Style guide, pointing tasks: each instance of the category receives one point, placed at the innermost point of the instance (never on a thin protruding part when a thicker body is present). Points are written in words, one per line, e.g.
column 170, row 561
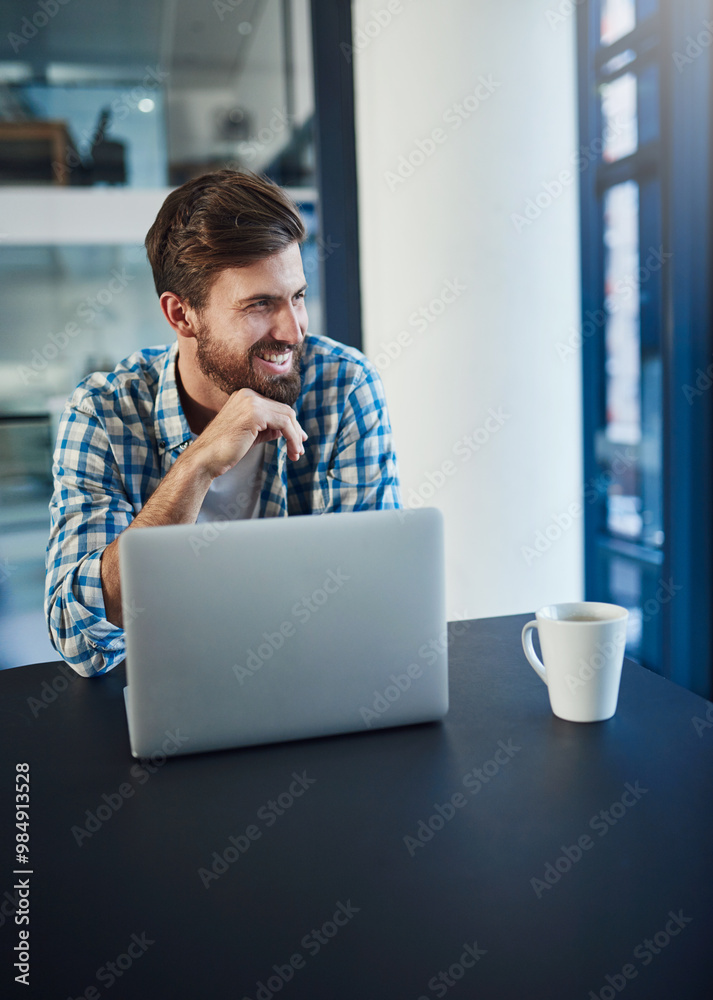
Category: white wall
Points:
column 493, row 349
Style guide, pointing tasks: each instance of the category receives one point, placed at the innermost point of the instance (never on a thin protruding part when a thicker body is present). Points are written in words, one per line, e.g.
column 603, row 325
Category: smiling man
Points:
column 244, row 415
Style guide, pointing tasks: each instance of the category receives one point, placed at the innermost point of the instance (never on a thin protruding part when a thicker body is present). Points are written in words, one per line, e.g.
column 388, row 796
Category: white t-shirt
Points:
column 236, row 494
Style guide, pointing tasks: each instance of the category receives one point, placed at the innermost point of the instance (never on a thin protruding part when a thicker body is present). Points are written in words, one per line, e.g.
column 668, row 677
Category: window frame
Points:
column 335, row 148
column 682, row 161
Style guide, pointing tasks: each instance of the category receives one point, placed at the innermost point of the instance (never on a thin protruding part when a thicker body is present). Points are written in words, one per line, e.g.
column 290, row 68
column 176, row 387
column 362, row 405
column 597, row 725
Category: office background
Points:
column 532, row 286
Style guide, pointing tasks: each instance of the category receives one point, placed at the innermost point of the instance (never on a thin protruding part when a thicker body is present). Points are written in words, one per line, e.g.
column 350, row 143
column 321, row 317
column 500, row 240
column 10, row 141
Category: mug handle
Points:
column 533, row 659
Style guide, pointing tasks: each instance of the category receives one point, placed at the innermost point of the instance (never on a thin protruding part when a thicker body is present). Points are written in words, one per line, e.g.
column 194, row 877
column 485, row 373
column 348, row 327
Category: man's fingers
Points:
column 264, row 419
column 291, row 430
column 292, row 433
column 270, row 434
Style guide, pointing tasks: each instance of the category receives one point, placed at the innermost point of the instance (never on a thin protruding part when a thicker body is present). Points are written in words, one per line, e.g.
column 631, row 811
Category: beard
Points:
column 231, row 373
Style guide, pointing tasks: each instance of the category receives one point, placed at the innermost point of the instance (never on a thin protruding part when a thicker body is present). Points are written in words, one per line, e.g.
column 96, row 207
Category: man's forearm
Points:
column 177, row 500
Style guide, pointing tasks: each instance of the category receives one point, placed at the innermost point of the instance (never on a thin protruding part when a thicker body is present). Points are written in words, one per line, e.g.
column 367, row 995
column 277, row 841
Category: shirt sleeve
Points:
column 363, row 473
column 88, row 510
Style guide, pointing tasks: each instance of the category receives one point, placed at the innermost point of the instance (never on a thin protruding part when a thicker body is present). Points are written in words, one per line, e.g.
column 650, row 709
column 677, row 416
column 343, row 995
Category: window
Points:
column 646, row 230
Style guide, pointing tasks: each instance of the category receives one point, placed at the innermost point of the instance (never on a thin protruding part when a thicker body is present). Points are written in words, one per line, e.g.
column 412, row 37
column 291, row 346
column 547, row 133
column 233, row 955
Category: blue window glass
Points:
column 618, row 446
column 618, row 18
column 620, row 129
column 639, row 586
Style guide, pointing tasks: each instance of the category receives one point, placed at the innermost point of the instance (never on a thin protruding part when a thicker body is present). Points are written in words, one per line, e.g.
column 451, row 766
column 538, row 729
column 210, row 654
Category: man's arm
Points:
column 177, row 500
column 246, row 419
column 90, row 510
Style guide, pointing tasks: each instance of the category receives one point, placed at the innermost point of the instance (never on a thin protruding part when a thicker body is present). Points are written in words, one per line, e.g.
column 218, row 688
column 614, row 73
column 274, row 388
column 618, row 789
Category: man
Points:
column 245, row 415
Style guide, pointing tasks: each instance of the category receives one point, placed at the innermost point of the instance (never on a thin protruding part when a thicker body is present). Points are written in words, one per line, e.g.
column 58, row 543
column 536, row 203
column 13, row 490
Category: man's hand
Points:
column 246, row 419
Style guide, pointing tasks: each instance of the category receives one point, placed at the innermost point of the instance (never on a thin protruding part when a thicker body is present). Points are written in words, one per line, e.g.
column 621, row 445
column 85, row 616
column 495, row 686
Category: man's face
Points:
column 252, row 328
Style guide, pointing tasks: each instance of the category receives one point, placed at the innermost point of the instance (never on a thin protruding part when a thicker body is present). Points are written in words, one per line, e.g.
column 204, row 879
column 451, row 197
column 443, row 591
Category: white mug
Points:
column 583, row 651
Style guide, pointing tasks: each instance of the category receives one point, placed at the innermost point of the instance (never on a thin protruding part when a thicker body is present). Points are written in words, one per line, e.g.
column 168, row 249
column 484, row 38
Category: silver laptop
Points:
column 245, row 632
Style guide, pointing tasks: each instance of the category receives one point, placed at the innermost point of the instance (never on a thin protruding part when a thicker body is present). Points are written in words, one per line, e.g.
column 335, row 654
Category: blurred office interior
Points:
column 509, row 211
column 103, row 108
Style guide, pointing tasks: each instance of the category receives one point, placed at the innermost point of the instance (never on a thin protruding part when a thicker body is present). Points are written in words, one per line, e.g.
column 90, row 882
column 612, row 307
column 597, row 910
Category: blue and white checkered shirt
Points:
column 119, row 435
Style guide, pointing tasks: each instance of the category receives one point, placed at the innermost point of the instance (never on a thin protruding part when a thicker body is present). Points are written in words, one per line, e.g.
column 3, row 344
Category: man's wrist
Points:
column 192, row 468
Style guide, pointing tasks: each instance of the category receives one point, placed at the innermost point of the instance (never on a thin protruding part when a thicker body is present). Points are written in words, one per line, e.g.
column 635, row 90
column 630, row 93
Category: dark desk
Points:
column 193, row 886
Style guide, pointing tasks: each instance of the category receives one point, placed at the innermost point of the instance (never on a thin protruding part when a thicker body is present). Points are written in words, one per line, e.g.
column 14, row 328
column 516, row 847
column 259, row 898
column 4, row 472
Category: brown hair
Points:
column 217, row 221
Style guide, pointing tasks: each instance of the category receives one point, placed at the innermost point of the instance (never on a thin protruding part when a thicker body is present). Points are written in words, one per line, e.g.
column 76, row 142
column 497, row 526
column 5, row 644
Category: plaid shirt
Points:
column 119, row 435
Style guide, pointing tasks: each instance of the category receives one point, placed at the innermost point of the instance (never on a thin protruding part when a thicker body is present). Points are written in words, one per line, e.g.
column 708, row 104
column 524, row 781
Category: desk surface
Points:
column 546, row 859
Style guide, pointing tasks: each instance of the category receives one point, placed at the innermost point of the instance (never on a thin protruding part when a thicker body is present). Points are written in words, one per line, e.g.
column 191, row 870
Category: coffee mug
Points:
column 583, row 651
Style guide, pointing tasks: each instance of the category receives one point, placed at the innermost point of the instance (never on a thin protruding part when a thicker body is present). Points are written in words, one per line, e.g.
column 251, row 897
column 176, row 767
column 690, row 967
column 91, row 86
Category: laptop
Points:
column 258, row 631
